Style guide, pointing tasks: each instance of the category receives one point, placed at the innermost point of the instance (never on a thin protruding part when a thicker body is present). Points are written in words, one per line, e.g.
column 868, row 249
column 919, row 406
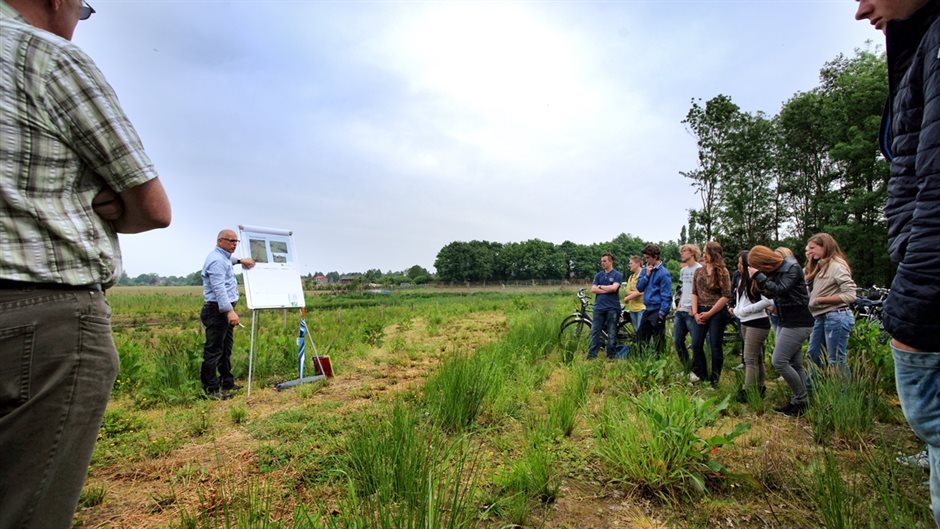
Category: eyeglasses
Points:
column 86, row 11
column 233, row 241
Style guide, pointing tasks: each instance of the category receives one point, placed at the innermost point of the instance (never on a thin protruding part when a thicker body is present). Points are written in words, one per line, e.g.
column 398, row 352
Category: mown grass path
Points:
column 152, row 491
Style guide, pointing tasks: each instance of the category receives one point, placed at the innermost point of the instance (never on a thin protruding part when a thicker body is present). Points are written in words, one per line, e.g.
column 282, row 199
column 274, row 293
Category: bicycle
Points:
column 575, row 332
column 869, row 306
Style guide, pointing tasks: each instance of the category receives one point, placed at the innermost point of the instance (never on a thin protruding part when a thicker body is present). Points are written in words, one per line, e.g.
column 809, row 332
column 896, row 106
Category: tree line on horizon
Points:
column 478, row 261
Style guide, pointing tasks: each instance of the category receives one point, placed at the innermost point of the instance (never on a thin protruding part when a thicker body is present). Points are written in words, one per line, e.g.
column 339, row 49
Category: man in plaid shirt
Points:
column 73, row 174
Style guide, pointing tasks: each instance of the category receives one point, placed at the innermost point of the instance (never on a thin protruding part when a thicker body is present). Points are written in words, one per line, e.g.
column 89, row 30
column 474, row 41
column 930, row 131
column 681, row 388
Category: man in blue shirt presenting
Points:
column 656, row 285
column 606, row 287
column 218, row 315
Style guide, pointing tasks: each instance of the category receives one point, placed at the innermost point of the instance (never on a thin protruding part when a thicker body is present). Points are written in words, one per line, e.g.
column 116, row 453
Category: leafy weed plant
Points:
column 654, row 442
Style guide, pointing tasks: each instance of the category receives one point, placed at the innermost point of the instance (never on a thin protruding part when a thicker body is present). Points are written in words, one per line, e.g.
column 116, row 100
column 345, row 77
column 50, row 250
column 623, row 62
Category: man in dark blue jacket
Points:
column 656, row 285
column 910, row 139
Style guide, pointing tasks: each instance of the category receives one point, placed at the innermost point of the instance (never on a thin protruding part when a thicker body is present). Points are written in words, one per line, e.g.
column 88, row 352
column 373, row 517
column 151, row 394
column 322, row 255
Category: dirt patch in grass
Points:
column 152, row 492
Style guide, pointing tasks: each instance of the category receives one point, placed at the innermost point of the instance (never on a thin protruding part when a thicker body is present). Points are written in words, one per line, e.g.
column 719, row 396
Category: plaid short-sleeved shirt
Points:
column 63, row 136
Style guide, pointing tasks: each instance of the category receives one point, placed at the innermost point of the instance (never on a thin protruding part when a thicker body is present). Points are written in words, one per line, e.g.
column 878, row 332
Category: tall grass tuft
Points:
column 393, row 459
column 534, row 477
column 455, row 394
column 836, row 500
column 843, row 406
column 562, row 410
column 532, row 334
column 894, row 496
column 653, row 442
column 445, row 499
column 173, row 378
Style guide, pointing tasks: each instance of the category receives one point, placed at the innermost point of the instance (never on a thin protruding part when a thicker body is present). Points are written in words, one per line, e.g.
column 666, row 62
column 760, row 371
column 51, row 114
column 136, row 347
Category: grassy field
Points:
column 454, row 409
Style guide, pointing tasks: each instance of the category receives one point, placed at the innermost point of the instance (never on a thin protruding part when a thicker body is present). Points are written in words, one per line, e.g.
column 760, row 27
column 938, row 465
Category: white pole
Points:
column 251, row 353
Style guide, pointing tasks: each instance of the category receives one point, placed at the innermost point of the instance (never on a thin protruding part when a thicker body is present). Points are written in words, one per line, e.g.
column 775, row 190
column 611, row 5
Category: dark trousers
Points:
column 57, row 365
column 652, row 330
column 217, row 353
column 714, row 331
column 682, row 326
column 604, row 320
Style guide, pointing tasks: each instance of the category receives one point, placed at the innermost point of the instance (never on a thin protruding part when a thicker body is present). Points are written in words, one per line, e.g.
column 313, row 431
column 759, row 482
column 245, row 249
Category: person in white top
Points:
column 689, row 255
column 751, row 310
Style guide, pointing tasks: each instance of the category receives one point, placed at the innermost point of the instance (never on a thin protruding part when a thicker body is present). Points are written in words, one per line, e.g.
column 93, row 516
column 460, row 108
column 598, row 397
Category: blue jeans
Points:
column 917, row 376
column 636, row 317
column 833, row 329
column 682, row 327
column 604, row 319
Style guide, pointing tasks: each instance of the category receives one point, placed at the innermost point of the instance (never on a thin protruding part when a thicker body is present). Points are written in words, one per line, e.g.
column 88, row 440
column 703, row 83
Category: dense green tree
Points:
column 416, row 271
column 713, row 126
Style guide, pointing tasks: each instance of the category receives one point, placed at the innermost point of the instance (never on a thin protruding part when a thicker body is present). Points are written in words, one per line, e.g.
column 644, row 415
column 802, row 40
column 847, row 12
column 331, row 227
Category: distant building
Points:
column 320, row 279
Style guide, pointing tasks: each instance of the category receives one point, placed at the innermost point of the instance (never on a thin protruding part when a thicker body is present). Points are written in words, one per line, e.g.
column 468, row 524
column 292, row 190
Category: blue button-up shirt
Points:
column 656, row 289
column 218, row 280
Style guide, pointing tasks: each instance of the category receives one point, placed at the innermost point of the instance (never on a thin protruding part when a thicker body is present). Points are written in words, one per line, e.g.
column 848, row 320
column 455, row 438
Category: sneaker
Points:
column 785, row 409
column 218, row 395
column 741, row 396
column 794, row 410
column 917, row 460
column 693, row 378
column 234, row 387
column 739, row 367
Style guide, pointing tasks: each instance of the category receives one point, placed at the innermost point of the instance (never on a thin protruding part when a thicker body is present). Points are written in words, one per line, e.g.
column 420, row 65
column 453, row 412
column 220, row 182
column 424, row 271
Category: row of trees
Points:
column 415, row 274
column 813, row 167
column 537, row 259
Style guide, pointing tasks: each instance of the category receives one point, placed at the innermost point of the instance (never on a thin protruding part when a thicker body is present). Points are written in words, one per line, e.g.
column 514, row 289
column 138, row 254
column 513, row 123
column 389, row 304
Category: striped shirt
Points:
column 63, row 137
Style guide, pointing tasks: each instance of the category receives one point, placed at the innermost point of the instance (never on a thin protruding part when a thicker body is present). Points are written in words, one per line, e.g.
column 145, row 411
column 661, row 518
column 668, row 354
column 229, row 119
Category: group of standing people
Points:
column 648, row 301
column 810, row 302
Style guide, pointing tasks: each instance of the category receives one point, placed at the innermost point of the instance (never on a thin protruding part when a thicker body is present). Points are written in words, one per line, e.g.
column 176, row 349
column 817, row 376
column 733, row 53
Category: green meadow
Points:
column 455, row 408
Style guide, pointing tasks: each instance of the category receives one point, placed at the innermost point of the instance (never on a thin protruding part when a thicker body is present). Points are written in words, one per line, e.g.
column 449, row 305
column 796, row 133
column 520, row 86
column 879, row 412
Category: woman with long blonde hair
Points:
column 711, row 288
column 830, row 298
column 781, row 278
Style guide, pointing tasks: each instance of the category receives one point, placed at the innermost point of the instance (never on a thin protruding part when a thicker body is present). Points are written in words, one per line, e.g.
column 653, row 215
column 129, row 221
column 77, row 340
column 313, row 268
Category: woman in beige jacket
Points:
column 831, row 295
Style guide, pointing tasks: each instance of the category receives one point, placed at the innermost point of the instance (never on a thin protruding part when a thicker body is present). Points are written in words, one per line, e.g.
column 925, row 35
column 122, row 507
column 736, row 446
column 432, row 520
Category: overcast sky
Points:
column 380, row 131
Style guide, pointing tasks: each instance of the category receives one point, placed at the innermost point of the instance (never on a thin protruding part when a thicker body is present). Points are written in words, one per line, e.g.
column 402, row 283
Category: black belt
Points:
column 9, row 284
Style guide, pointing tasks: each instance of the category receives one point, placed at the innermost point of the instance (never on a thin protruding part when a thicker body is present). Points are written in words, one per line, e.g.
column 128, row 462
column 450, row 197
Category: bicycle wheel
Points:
column 574, row 337
column 570, row 318
column 626, row 334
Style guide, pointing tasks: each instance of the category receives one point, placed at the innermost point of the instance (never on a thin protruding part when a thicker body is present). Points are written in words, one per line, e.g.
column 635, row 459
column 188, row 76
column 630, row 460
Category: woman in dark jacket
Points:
column 782, row 279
